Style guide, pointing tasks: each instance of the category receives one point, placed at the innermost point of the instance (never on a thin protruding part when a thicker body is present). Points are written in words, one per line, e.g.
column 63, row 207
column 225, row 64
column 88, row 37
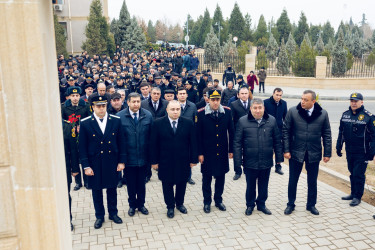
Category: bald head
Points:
column 101, row 89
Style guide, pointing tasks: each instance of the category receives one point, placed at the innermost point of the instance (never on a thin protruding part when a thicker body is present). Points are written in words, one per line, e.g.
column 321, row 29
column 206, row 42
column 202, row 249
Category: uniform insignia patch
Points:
column 74, row 91
column 373, row 123
column 354, row 95
column 100, row 98
column 196, row 119
column 361, row 117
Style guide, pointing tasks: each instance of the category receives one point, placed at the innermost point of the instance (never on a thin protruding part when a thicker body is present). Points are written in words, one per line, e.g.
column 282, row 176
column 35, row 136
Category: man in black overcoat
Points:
column 173, row 152
column 215, row 146
column 102, row 151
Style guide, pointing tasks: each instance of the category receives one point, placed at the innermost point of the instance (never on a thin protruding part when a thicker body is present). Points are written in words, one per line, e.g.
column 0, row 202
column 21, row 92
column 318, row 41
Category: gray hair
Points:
column 256, row 101
column 157, row 89
column 133, row 95
column 308, row 91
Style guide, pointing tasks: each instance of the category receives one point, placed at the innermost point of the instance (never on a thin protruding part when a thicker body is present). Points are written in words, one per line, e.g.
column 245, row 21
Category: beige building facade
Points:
column 73, row 14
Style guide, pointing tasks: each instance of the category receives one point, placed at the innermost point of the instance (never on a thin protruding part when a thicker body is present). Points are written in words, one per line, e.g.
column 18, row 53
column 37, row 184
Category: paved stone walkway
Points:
column 338, row 226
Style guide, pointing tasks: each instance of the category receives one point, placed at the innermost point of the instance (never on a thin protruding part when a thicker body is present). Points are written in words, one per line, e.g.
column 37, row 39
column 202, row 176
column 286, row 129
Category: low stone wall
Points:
column 314, row 83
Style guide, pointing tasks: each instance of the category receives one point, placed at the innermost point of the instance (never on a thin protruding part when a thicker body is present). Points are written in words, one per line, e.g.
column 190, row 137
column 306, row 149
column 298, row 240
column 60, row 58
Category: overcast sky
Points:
column 317, row 11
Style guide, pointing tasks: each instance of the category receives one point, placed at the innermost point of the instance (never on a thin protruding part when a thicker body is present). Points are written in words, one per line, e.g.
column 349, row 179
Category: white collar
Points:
column 103, row 124
column 132, row 113
column 171, row 120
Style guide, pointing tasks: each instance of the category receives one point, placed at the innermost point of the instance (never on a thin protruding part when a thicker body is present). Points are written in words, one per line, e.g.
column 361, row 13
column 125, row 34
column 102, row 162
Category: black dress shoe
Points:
column 98, row 223
column 373, row 216
column 131, row 211
column 182, row 209
column 77, row 187
column 116, row 219
column 236, row 177
column 221, row 206
column 170, row 213
column 249, row 210
column 347, row 198
column 191, row 181
column 265, row 210
column 288, row 210
column 143, row 210
column 279, row 171
column 355, row 202
column 147, row 179
column 207, row 209
column 87, row 186
column 119, row 184
column 71, row 226
column 313, row 210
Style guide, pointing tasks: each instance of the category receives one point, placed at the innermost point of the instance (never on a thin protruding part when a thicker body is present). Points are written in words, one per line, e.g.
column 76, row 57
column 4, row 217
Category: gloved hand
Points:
column 338, row 152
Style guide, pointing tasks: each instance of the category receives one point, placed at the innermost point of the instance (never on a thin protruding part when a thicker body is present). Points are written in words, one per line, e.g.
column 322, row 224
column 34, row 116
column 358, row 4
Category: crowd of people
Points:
column 133, row 112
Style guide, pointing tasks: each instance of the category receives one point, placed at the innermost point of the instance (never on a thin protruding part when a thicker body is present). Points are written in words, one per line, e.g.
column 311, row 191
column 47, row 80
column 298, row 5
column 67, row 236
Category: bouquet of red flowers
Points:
column 74, row 120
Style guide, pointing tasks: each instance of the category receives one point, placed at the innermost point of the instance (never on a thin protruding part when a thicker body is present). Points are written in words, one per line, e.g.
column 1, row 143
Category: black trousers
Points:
column 70, row 202
column 252, row 176
column 206, row 188
column 122, row 176
column 295, row 169
column 136, row 186
column 357, row 166
column 97, row 196
column 148, row 171
column 237, row 169
column 170, row 199
column 260, row 86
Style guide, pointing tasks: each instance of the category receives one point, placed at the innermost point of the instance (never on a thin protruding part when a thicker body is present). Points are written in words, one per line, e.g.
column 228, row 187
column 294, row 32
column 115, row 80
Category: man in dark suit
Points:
column 240, row 108
column 189, row 111
column 174, row 152
column 278, row 108
column 102, row 151
column 157, row 107
column 136, row 123
column 215, row 144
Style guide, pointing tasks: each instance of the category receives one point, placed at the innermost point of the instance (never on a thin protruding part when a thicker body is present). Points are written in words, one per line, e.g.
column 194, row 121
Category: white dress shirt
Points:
column 103, row 124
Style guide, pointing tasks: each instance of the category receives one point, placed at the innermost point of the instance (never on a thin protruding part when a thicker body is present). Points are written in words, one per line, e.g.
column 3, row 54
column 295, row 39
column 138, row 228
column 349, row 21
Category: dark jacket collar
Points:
column 358, row 110
column 315, row 114
column 81, row 102
column 141, row 112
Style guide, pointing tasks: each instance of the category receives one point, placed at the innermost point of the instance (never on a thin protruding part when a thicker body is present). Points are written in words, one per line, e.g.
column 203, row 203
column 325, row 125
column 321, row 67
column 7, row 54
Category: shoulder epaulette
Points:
column 201, row 109
column 66, row 121
column 226, row 107
column 86, row 118
column 115, row 116
column 368, row 112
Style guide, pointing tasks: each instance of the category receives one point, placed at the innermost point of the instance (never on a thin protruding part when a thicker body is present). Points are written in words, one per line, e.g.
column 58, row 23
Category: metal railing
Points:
column 358, row 68
column 219, row 64
column 304, row 67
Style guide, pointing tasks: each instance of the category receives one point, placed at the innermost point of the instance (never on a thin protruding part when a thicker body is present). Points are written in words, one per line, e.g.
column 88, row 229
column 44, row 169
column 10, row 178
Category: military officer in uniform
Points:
column 74, row 110
column 357, row 131
column 102, row 151
column 229, row 75
column 215, row 144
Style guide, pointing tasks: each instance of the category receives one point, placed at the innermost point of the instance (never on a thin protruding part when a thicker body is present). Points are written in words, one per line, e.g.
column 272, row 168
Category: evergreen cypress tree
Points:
column 339, row 55
column 261, row 60
column 204, row 28
column 151, row 32
column 272, row 48
column 291, row 47
column 261, row 33
column 330, row 46
column 373, row 37
column 212, row 50
column 302, row 29
column 134, row 39
column 236, row 23
column 282, row 64
column 95, row 43
column 304, row 61
column 195, row 31
column 123, row 24
column 229, row 48
column 319, row 45
column 60, row 38
column 328, row 32
column 307, row 39
column 314, row 33
column 356, row 48
column 283, row 25
column 216, row 20
column 113, row 28
column 247, row 33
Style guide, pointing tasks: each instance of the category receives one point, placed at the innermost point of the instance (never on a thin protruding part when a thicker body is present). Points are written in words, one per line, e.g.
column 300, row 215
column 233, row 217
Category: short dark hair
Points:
column 277, row 90
column 109, row 87
column 133, row 95
column 308, row 91
column 243, row 87
column 256, row 101
column 181, row 89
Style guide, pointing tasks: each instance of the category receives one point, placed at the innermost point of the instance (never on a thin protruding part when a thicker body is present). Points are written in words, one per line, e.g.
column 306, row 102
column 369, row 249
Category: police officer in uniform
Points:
column 215, row 144
column 74, row 110
column 357, row 131
column 229, row 75
column 102, row 150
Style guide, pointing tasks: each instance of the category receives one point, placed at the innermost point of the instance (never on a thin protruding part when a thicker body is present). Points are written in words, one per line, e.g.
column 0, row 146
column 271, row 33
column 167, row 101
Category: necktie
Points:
column 174, row 126
column 245, row 105
column 135, row 118
column 308, row 112
column 101, row 120
column 155, row 105
column 216, row 114
column 182, row 106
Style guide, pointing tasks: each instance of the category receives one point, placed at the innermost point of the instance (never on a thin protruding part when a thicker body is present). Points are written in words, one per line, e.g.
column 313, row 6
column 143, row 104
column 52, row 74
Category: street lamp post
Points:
column 235, row 39
column 219, row 28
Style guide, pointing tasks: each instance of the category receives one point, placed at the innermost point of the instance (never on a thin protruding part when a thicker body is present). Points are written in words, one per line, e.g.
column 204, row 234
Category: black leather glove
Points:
column 338, row 152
